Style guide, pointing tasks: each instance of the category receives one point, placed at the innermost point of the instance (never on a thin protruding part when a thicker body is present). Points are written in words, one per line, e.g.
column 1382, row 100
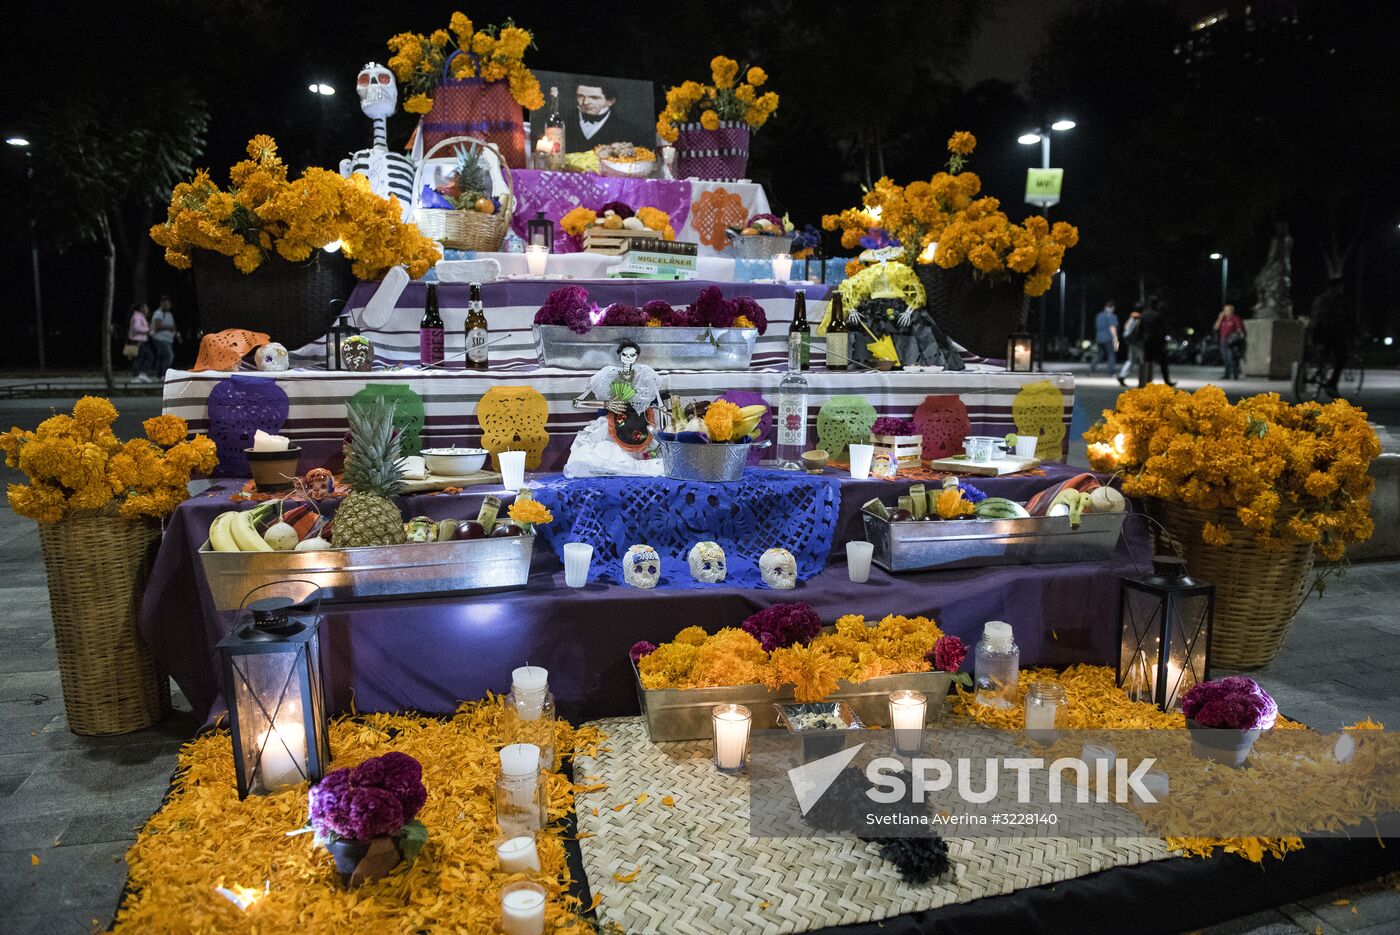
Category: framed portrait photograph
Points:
column 598, row 110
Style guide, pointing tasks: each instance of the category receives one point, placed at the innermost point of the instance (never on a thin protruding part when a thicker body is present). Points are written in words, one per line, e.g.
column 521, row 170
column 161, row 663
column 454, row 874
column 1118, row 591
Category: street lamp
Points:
column 322, row 89
column 19, row 141
column 1030, row 138
column 22, row 142
column 1224, row 276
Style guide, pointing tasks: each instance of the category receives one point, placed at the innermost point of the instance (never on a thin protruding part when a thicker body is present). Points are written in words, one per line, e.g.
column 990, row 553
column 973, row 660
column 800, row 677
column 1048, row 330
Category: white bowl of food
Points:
column 453, row 462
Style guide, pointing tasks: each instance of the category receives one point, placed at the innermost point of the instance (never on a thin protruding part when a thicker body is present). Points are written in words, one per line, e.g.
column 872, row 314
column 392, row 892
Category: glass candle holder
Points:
column 782, row 267
column 536, row 259
column 516, row 853
column 1044, row 700
column 908, row 710
column 520, row 804
column 530, row 720
column 522, row 908
column 731, row 723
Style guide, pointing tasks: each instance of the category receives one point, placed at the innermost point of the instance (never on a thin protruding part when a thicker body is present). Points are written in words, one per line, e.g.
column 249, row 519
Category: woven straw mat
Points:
column 701, row 872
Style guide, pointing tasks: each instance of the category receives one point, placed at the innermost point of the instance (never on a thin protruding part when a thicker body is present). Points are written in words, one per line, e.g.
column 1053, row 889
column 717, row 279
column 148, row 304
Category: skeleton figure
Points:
column 706, row 560
column 388, row 173
column 320, row 483
column 271, row 358
column 779, row 569
column 641, row 567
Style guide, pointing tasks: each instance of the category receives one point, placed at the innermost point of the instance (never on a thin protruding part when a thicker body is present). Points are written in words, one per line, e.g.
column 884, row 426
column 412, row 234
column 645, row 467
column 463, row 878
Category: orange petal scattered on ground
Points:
column 627, row 877
column 667, row 801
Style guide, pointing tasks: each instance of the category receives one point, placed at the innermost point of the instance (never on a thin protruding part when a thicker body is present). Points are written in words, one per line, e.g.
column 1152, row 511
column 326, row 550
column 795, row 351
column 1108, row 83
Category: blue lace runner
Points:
column 768, row 509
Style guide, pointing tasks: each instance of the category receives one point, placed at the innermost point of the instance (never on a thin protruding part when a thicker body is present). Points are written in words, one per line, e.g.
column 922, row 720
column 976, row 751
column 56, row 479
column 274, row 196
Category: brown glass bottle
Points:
column 838, row 336
column 478, row 332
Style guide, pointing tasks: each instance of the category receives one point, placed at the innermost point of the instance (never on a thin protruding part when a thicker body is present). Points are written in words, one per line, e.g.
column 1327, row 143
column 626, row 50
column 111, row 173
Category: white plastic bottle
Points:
column 997, row 665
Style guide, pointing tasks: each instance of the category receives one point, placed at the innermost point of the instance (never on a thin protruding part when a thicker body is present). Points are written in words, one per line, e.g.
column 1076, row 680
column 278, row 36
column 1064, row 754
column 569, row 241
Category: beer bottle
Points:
column 838, row 338
column 799, row 332
column 430, row 337
column 478, row 332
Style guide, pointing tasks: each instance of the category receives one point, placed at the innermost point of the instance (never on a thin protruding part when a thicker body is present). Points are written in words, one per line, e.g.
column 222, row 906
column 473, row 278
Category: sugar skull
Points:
column 320, row 483
column 706, row 560
column 779, row 569
column 377, row 91
column 420, row 529
column 357, row 353
column 641, row 567
column 271, row 358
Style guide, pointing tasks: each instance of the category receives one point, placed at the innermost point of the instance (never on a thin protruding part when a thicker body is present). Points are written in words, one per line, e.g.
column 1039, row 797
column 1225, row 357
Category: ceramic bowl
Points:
column 453, row 462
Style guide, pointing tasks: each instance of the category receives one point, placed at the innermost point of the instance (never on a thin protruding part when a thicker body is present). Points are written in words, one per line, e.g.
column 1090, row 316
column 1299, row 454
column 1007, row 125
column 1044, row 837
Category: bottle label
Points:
column 430, row 346
column 476, row 345
column 836, row 350
column 792, row 420
column 555, row 135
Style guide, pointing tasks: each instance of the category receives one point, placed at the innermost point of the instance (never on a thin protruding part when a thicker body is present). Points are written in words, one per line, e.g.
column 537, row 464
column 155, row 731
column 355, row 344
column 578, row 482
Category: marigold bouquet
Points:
column 78, row 467
column 617, row 215
column 728, row 98
column 491, row 53
column 263, row 212
column 1288, row 473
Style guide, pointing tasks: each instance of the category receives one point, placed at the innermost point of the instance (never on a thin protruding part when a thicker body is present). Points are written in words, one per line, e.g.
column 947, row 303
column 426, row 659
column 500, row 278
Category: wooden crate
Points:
column 907, row 450
column 613, row 242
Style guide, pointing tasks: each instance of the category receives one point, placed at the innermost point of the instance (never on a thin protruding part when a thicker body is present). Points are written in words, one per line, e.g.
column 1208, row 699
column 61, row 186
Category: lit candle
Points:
column 907, row 712
column 528, row 684
column 262, row 441
column 731, row 727
column 782, row 267
column 1043, row 701
column 517, row 853
column 537, row 258
column 522, row 909
column 283, row 751
column 519, row 760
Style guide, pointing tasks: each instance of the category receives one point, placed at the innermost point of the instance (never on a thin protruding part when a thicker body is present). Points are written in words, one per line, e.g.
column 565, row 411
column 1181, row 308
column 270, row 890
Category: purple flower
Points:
column 1233, row 703
column 659, row 310
column 948, row 653
column 747, row 307
column 563, row 306
column 619, row 208
column 783, row 625
column 888, row 425
column 623, row 315
column 403, row 776
column 776, row 221
column 373, row 812
column 710, row 308
column 641, row 648
column 376, row 798
column 971, row 494
column 878, row 239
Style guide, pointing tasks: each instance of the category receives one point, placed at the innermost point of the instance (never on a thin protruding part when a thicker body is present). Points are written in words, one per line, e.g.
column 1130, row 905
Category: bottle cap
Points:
column 998, row 633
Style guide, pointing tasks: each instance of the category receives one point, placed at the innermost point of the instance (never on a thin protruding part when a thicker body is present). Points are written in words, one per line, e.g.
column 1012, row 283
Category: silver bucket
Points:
column 758, row 246
column 720, row 463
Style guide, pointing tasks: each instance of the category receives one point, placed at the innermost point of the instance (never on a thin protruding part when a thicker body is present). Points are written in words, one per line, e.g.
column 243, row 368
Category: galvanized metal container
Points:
column 972, row 543
column 376, row 572
column 758, row 246
column 717, row 463
column 684, row 713
column 661, row 348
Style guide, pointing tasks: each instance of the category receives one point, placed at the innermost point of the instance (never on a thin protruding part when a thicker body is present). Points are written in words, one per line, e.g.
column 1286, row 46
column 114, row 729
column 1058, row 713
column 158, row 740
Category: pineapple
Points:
column 468, row 179
column 369, row 516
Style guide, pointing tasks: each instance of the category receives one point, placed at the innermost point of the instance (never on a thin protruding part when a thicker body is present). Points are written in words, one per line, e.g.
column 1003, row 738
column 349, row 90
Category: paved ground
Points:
column 74, row 804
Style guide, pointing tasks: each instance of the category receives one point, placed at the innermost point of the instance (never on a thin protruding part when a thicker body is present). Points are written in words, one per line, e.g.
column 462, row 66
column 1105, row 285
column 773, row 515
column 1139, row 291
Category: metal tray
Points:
column 661, row 348
column 376, row 572
column 966, row 543
column 684, row 713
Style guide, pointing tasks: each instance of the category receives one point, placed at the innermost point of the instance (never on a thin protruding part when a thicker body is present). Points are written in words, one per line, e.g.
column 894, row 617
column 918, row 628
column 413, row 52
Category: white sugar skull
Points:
column 706, row 561
column 779, row 569
column 271, row 358
column 641, row 567
column 320, row 483
column 377, row 90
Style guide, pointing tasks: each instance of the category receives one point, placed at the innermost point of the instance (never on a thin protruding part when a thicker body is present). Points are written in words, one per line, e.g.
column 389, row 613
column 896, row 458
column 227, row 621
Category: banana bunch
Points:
column 236, row 530
column 750, row 417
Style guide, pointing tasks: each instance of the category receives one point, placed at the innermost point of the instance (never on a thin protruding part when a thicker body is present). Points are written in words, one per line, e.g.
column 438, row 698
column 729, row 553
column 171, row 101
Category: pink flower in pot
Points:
column 1226, row 717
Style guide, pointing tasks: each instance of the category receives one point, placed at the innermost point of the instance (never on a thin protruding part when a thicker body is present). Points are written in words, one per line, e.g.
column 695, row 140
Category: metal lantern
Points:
column 539, row 231
column 335, row 341
column 1019, row 352
column 272, row 684
column 1164, row 624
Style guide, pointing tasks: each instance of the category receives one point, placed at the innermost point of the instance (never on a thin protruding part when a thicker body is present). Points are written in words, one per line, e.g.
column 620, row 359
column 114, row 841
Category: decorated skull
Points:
column 779, row 569
column 271, row 358
column 357, row 353
column 320, row 483
column 377, row 90
column 706, row 560
column 641, row 567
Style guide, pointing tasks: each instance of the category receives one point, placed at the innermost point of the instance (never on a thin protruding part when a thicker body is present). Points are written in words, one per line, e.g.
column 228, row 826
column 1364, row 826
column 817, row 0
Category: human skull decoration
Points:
column 357, row 353
column 320, row 483
column 377, row 90
column 706, row 560
column 641, row 567
column 271, row 358
column 779, row 569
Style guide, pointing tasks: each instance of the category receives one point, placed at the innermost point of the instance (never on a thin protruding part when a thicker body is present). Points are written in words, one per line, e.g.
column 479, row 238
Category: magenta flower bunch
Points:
column 889, row 425
column 622, row 315
column 1233, row 703
column 948, row 653
column 570, row 306
column 375, row 799
column 783, row 625
column 641, row 648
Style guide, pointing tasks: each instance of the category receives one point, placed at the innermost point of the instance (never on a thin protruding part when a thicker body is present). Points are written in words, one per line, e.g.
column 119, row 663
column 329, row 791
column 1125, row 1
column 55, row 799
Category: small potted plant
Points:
column 1226, row 716
column 365, row 816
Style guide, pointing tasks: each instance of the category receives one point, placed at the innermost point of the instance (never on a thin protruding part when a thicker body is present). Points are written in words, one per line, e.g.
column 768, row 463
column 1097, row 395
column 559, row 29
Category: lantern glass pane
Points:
column 1140, row 643
column 271, row 725
column 1186, row 655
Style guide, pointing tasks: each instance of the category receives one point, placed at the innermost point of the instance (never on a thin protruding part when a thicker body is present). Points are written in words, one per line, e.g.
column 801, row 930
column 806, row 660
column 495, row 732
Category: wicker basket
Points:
column 464, row 230
column 1257, row 593
column 97, row 568
column 289, row 302
column 979, row 314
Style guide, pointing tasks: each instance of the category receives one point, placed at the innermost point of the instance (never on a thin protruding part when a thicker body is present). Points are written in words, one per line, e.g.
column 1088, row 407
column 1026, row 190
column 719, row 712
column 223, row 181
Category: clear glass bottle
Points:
column 554, row 133
column 792, row 410
column 997, row 665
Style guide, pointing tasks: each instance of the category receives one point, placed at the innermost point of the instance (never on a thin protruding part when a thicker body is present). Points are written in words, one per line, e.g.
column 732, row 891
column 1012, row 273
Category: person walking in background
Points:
column 1106, row 337
column 163, row 337
column 1132, row 336
column 138, row 333
column 1154, row 343
column 1229, row 328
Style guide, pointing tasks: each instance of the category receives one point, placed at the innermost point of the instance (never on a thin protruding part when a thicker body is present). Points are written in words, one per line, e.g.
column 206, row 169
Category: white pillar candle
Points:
column 537, row 259
column 908, row 711
column 520, row 759
column 860, row 460
column 522, row 909
column 517, row 853
column 782, row 267
column 262, row 441
column 858, row 556
column 529, row 684
column 283, row 751
column 731, row 727
column 512, row 469
column 577, row 557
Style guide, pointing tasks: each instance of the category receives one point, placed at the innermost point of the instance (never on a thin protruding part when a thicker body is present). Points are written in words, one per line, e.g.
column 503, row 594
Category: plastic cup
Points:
column 1026, row 445
column 577, row 557
column 858, row 555
column 860, row 460
column 512, row 469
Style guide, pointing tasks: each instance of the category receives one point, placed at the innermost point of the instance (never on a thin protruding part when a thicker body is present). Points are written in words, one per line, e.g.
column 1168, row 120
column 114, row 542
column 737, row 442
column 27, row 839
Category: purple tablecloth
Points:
column 427, row 654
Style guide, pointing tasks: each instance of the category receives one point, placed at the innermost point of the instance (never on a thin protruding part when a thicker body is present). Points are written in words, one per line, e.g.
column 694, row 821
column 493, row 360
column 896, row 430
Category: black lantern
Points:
column 272, row 684
column 1164, row 623
column 335, row 342
column 539, row 232
column 1019, row 352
